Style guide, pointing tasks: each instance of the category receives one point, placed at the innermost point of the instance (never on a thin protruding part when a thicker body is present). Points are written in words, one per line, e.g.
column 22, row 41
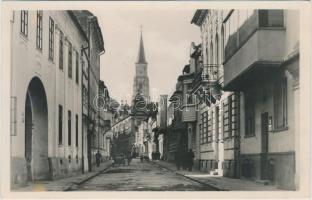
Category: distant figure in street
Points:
column 184, row 159
column 177, row 158
column 190, row 159
column 129, row 158
column 98, row 159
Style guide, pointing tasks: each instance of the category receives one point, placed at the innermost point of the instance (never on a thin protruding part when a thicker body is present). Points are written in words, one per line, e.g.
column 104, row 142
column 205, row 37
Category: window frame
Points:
column 70, row 60
column 76, row 129
column 51, row 39
column 69, row 141
column 280, row 98
column 60, row 125
column 24, row 23
column 250, row 115
column 61, row 51
column 39, row 28
column 77, row 67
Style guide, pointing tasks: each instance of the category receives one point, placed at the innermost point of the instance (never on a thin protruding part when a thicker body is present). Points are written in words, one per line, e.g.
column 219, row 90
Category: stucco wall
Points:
column 29, row 62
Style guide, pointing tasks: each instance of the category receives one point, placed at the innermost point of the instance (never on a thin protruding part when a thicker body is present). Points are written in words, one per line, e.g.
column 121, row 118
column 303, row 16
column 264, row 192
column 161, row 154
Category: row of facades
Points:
column 56, row 127
column 236, row 103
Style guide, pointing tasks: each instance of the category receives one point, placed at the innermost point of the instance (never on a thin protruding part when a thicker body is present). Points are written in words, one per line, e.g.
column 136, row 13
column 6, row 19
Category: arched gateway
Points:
column 36, row 131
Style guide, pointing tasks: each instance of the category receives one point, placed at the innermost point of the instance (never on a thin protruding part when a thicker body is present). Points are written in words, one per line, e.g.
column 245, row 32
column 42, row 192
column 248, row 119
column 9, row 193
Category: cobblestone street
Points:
column 140, row 176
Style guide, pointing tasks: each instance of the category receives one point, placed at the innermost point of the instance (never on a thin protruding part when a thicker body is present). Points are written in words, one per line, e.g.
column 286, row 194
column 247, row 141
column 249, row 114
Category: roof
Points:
column 141, row 54
column 82, row 18
column 199, row 16
column 77, row 24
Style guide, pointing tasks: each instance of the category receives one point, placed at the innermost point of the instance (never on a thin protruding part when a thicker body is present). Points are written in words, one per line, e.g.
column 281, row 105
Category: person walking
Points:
column 190, row 156
column 98, row 159
column 184, row 159
column 177, row 159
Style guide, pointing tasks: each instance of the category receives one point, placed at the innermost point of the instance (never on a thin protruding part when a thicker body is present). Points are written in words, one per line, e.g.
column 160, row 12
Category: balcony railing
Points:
column 212, row 73
column 208, row 75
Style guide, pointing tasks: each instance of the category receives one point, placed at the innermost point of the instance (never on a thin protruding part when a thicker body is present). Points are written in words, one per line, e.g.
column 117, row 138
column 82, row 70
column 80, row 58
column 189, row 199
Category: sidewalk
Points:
column 65, row 183
column 220, row 182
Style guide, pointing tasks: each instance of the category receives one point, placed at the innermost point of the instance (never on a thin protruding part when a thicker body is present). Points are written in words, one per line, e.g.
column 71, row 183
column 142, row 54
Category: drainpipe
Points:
column 88, row 132
column 82, row 126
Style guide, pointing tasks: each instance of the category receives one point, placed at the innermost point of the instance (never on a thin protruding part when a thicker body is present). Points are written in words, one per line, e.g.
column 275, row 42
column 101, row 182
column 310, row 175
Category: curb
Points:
column 87, row 178
column 192, row 179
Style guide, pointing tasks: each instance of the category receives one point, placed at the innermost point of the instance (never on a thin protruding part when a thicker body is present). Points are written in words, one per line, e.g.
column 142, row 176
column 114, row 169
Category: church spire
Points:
column 141, row 55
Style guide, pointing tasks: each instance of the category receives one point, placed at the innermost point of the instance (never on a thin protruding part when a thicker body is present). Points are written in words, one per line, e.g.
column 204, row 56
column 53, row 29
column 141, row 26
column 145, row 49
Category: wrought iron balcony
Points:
column 207, row 83
column 208, row 76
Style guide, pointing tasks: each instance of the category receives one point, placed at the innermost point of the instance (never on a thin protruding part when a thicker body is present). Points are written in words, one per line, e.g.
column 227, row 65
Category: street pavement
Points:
column 140, row 176
column 144, row 176
column 219, row 182
column 63, row 184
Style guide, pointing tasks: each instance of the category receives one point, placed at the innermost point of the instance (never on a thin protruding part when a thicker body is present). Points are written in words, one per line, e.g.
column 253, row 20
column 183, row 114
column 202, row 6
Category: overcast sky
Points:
column 167, row 36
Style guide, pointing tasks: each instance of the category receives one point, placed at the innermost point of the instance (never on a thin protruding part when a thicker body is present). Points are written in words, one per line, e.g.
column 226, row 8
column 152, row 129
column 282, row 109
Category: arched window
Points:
column 207, row 54
column 217, row 58
column 211, row 53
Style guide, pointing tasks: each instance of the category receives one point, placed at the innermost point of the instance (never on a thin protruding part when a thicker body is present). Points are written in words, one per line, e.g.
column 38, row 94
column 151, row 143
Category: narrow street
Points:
column 140, row 176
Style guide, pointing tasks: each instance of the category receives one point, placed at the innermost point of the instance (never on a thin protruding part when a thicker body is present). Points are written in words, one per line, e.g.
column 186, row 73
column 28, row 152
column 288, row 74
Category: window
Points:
column 204, row 127
column 227, row 117
column 280, row 103
column 210, row 128
column 39, row 30
column 249, row 114
column 69, row 128
column 76, row 139
column 24, row 22
column 77, row 68
column 51, row 38
column 61, row 46
column 271, row 18
column 207, row 53
column 217, row 50
column 211, row 53
column 222, row 43
column 70, row 55
column 60, row 128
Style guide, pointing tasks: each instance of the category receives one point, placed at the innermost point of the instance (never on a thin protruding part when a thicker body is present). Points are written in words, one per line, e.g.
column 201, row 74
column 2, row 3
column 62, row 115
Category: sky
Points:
column 167, row 36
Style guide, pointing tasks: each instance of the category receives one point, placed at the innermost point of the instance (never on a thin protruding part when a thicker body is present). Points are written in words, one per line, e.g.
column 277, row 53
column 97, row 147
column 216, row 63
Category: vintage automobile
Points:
column 119, row 159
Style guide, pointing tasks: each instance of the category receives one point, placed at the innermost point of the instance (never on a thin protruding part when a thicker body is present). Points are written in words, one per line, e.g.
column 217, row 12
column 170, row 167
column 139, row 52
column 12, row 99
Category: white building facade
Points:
column 46, row 104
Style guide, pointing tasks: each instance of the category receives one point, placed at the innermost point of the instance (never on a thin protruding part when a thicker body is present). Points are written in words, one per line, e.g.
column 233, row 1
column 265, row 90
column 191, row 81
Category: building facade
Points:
column 91, row 124
column 269, row 91
column 46, row 136
column 249, row 85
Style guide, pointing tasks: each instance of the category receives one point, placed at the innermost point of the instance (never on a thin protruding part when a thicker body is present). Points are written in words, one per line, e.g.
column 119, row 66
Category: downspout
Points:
column 88, row 130
column 82, row 127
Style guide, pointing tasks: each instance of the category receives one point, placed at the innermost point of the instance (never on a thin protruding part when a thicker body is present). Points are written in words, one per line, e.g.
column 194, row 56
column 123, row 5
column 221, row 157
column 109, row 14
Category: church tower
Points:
column 141, row 81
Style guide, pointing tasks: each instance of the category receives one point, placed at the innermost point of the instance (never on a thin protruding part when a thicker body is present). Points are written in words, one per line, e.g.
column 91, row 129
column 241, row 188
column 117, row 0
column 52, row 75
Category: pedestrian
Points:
column 177, row 159
column 190, row 157
column 184, row 159
column 98, row 159
column 129, row 158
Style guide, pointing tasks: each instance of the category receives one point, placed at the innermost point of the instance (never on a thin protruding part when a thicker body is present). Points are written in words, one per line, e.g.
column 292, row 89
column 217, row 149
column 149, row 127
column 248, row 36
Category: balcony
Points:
column 254, row 51
column 207, row 76
column 189, row 113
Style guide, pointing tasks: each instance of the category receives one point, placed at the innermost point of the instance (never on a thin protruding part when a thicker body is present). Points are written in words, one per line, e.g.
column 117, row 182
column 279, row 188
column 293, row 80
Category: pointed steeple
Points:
column 141, row 55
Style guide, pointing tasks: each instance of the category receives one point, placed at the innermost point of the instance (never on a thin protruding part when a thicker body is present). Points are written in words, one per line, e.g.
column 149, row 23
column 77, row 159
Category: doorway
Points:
column 264, row 145
column 36, row 132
